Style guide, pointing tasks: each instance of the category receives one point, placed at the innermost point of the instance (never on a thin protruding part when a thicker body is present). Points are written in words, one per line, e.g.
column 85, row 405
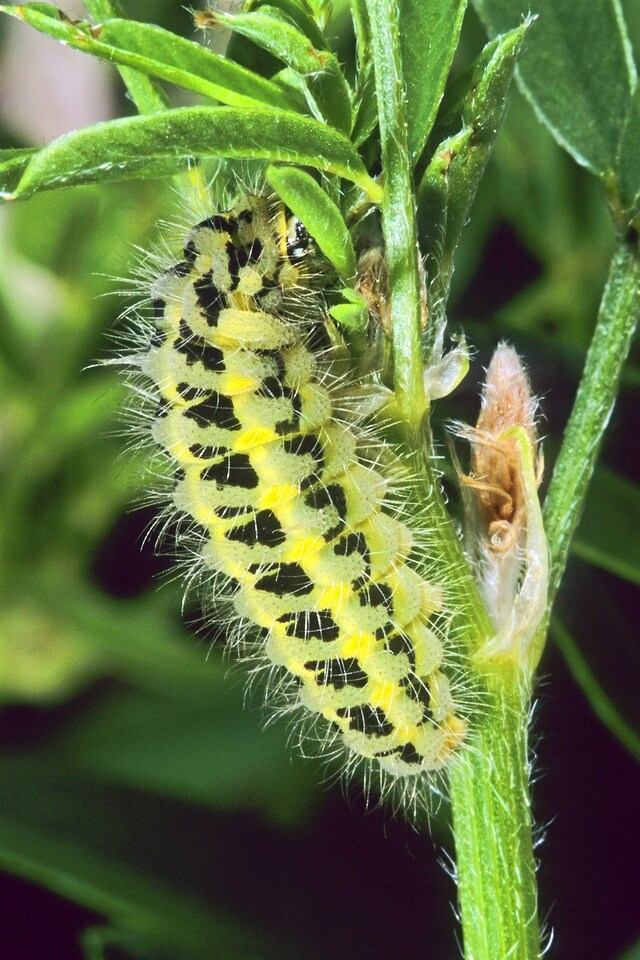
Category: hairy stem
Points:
column 593, row 406
column 489, row 781
column 489, row 785
column 470, row 622
column 398, row 211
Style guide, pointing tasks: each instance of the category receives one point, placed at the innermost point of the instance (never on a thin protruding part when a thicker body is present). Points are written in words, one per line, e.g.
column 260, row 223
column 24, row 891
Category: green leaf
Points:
column 429, row 31
column 364, row 102
column 146, row 92
column 328, row 89
column 449, row 184
column 153, row 145
column 601, row 703
column 88, row 843
column 365, row 106
column 180, row 728
column 577, row 70
column 12, row 164
column 162, row 54
column 352, row 316
column 209, row 751
column 320, row 215
column 97, row 940
column 255, row 58
column 629, row 159
column 609, row 531
column 299, row 14
column 633, row 953
column 362, row 31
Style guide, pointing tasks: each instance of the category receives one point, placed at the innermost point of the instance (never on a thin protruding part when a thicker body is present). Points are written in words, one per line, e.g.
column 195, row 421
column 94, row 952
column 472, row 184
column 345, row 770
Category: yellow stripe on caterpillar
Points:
column 285, row 497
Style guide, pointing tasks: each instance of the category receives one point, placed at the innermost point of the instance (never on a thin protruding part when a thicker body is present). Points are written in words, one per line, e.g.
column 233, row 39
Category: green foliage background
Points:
column 133, row 780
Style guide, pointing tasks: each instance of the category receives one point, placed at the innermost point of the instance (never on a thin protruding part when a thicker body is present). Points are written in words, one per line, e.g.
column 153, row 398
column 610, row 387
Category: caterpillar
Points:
column 287, row 504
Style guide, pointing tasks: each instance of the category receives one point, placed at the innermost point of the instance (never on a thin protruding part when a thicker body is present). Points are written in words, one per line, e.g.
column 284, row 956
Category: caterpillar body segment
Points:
column 288, row 506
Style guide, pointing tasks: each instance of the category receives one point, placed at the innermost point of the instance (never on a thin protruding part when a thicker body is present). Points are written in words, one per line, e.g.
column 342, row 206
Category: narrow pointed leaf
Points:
column 159, row 53
column 577, row 71
column 300, row 15
column 609, row 537
column 601, row 703
column 77, row 853
column 429, row 31
column 247, row 53
column 141, row 147
column 365, row 105
column 318, row 212
column 146, row 91
column 325, row 81
column 449, row 184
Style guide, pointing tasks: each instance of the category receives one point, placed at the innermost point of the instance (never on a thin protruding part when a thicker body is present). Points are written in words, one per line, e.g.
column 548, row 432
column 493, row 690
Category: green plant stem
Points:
column 490, row 780
column 489, row 786
column 593, row 406
column 398, row 211
column 470, row 622
column 405, row 290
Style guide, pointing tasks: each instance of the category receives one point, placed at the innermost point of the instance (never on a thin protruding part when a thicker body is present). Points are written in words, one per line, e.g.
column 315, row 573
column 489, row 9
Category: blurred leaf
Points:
column 158, row 143
column 162, row 54
column 633, row 953
column 631, row 11
column 629, row 160
column 600, row 618
column 209, row 751
column 42, row 661
column 97, row 940
column 429, row 31
column 12, row 164
column 57, row 503
column 609, row 531
column 66, row 833
column 184, row 727
column 601, row 704
column 576, row 70
column 311, row 204
column 269, row 29
column 554, row 207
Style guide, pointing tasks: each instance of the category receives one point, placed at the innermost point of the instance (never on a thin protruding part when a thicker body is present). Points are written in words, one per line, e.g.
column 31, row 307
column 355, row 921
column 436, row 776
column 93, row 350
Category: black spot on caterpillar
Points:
column 289, row 509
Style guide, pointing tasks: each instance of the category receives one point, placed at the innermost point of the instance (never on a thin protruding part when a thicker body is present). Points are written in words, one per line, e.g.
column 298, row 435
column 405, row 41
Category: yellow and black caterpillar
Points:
column 286, row 504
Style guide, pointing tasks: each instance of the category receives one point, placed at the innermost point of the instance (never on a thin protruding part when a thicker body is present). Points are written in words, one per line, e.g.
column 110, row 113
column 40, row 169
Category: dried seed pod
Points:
column 507, row 538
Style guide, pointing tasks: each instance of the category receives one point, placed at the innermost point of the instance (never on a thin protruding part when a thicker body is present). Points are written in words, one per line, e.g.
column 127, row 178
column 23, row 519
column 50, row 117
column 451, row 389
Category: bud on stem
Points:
column 505, row 530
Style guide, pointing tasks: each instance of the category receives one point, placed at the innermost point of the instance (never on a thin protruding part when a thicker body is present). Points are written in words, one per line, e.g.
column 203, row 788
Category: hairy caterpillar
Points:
column 285, row 502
